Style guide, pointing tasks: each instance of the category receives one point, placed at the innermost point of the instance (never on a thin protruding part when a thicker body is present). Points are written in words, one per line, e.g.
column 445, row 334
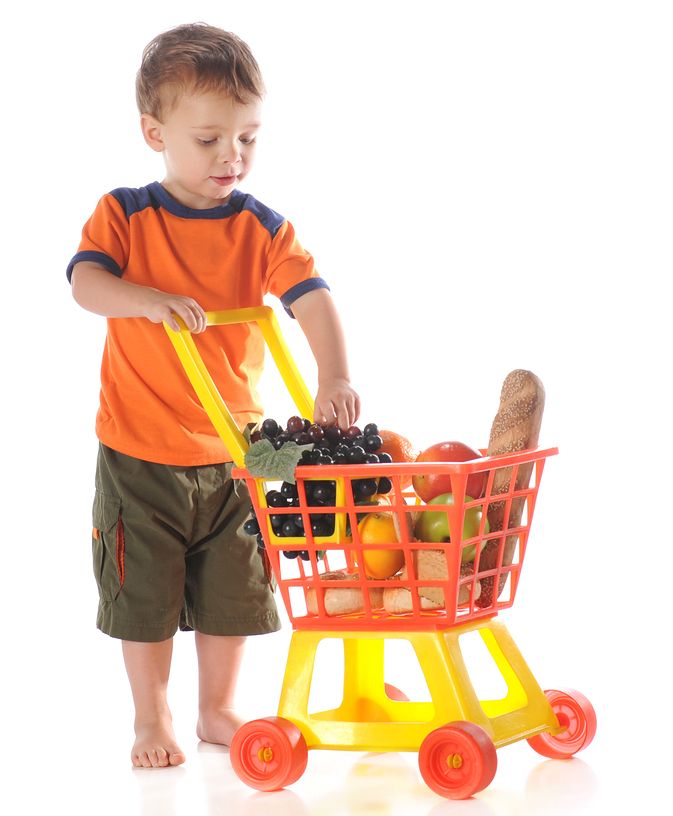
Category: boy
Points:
column 168, row 546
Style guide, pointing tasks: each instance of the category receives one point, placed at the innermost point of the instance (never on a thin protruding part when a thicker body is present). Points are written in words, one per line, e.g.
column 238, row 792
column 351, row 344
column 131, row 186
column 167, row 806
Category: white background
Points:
column 486, row 186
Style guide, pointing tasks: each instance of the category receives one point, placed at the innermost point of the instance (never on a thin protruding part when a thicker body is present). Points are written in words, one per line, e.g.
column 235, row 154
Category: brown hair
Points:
column 195, row 56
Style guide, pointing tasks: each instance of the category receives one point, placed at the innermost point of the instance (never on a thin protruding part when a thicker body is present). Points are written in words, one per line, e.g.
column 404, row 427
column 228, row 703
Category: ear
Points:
column 152, row 132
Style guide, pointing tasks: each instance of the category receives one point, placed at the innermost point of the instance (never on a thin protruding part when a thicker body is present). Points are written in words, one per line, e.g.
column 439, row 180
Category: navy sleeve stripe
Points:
column 268, row 218
column 299, row 289
column 133, row 200
column 95, row 257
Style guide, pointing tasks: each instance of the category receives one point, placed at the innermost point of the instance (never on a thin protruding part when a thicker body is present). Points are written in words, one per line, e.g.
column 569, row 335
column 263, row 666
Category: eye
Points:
column 246, row 140
column 206, row 142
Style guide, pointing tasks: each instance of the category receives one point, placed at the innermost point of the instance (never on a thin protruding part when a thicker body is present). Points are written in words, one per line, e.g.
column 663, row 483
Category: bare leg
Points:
column 219, row 663
column 148, row 666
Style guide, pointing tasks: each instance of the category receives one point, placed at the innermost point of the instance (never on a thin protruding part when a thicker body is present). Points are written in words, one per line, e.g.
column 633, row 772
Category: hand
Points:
column 336, row 401
column 162, row 306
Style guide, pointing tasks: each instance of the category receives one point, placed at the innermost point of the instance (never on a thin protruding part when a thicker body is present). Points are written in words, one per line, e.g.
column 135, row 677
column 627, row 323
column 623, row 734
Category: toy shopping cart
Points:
column 441, row 590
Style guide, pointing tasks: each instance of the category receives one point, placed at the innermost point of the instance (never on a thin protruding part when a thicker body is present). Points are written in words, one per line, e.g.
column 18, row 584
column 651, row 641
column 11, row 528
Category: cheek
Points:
column 186, row 156
column 198, row 159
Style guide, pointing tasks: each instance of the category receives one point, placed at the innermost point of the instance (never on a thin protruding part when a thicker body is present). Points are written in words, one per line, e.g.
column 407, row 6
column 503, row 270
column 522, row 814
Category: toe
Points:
column 145, row 760
column 176, row 758
column 162, row 757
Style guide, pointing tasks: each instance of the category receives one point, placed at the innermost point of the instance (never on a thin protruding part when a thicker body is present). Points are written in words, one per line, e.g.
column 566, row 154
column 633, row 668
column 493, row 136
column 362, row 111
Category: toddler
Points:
column 168, row 545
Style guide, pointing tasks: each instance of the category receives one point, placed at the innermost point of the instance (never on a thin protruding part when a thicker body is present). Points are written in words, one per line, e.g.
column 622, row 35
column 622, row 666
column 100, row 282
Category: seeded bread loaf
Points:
column 343, row 600
column 516, row 427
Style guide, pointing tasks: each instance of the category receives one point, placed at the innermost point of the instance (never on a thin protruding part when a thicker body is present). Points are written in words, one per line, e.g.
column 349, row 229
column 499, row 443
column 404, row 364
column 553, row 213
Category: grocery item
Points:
column 429, row 485
column 434, row 526
column 516, row 427
column 400, row 450
column 342, row 600
column 430, row 565
column 379, row 528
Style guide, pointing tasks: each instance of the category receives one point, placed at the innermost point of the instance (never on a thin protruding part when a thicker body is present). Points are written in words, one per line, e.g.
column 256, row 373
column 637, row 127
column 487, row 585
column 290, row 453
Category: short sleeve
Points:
column 105, row 238
column 291, row 269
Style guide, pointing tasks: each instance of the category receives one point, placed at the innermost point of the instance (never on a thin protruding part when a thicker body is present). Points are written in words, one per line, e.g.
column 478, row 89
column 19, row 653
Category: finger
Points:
column 347, row 412
column 356, row 409
column 173, row 323
column 324, row 413
column 327, row 417
column 343, row 418
column 196, row 318
column 179, row 317
column 186, row 313
column 201, row 318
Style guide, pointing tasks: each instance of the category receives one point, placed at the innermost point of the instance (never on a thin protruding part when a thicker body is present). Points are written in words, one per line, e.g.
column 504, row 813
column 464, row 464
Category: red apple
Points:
column 429, row 486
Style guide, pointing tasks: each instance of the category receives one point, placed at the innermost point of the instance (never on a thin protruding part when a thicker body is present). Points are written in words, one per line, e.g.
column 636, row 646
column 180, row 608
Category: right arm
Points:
column 100, row 291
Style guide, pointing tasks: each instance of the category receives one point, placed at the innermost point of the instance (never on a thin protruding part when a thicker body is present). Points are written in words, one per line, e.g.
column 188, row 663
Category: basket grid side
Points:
column 343, row 551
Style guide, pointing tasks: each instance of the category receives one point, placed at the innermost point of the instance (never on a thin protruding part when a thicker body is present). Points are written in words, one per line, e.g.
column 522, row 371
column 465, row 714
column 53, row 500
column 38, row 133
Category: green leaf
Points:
column 265, row 462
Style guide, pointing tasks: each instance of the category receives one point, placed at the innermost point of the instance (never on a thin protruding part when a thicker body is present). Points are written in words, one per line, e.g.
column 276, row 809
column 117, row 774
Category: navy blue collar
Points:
column 168, row 203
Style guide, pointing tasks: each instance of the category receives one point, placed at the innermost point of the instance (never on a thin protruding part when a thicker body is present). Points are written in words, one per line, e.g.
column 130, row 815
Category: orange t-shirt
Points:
column 226, row 257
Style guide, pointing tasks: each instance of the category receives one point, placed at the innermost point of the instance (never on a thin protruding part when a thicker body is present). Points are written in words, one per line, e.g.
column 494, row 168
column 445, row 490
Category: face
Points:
column 208, row 145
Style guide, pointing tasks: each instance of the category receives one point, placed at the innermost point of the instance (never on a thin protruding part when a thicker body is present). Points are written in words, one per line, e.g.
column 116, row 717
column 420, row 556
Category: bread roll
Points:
column 430, row 566
column 516, row 427
column 343, row 601
column 397, row 601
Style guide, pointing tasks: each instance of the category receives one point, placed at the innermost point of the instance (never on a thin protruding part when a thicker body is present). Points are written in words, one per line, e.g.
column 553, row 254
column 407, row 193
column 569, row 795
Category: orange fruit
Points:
column 400, row 449
column 379, row 528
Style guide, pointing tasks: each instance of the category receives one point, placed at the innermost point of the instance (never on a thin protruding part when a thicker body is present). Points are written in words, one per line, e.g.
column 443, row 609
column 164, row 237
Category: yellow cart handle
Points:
column 207, row 391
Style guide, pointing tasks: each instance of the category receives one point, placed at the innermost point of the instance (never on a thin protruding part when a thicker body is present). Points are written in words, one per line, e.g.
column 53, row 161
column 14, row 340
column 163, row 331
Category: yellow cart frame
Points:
column 455, row 733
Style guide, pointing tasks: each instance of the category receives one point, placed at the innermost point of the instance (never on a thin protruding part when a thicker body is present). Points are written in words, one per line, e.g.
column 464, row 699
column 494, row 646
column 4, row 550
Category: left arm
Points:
column 336, row 401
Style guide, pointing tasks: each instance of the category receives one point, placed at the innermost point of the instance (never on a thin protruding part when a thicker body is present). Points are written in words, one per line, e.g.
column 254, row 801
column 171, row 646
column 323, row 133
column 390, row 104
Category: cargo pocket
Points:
column 108, row 545
column 268, row 570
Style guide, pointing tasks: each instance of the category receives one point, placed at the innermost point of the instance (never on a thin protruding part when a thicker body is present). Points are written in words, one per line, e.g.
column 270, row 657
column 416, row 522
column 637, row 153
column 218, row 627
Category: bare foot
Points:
column 218, row 726
column 155, row 746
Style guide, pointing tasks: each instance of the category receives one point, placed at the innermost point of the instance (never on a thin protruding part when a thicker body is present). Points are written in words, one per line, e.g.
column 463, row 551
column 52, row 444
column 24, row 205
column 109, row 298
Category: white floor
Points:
column 346, row 783
column 67, row 736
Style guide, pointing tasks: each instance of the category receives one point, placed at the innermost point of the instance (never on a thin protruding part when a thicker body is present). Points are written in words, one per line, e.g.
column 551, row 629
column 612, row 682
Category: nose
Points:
column 229, row 152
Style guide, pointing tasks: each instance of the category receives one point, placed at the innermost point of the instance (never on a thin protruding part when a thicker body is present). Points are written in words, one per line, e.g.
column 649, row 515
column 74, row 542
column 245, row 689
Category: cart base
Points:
column 368, row 719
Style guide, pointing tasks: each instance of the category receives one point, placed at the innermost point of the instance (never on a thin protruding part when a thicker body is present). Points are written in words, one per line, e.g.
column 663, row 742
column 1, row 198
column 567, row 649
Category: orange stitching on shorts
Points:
column 120, row 551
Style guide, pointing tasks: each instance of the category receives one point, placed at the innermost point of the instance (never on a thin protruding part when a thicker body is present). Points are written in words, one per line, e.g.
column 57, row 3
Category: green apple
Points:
column 434, row 526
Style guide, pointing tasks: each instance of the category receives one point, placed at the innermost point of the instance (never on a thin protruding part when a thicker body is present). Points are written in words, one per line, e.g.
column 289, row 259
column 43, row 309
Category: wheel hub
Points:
column 454, row 761
column 265, row 754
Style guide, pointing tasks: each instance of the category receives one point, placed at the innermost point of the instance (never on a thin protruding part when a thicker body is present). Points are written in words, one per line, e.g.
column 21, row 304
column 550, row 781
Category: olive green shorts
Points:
column 169, row 551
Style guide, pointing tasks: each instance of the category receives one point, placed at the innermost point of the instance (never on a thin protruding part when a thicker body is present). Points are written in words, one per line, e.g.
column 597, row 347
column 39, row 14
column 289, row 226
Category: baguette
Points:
column 342, row 600
column 516, row 427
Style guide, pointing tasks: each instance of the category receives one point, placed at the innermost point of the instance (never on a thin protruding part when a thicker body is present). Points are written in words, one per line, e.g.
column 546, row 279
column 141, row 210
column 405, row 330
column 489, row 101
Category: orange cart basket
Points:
column 471, row 577
column 437, row 584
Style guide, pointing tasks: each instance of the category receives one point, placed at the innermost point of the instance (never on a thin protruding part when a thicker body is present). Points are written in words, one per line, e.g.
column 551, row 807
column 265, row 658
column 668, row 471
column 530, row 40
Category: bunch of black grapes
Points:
column 331, row 446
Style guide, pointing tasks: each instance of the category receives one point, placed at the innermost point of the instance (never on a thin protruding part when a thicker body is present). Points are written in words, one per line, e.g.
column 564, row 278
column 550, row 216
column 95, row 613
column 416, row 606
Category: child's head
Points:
column 195, row 57
column 199, row 91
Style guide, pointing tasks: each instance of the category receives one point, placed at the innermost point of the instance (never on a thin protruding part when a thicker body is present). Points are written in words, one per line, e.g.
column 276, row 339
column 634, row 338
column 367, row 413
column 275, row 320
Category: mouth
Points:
column 224, row 181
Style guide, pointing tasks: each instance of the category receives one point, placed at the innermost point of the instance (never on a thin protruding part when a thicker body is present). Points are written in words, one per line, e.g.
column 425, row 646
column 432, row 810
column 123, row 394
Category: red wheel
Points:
column 268, row 754
column 576, row 716
column 457, row 760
